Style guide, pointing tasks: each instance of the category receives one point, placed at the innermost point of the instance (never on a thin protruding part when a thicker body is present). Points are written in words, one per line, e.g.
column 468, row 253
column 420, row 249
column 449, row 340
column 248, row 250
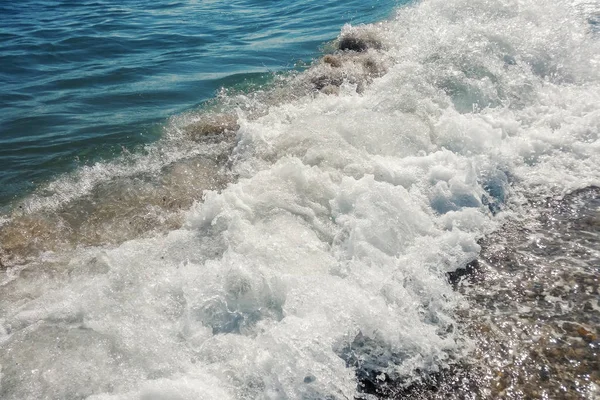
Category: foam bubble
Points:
column 322, row 265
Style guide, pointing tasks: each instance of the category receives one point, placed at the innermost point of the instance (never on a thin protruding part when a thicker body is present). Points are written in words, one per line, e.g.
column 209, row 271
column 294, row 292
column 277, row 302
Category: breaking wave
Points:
column 295, row 241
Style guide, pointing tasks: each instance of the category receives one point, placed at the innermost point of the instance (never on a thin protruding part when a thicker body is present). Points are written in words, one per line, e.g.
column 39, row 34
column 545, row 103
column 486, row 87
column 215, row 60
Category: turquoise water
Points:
column 82, row 80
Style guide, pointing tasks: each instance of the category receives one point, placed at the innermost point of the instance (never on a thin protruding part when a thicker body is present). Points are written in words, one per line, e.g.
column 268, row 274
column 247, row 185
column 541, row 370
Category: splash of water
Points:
column 353, row 188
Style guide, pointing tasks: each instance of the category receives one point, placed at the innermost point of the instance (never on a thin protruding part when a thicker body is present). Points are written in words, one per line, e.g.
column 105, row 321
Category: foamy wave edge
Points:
column 324, row 262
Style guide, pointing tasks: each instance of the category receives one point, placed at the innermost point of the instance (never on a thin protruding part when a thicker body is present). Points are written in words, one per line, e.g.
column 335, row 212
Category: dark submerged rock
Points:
column 371, row 359
column 332, row 60
column 471, row 271
column 322, row 81
column 359, row 41
column 212, row 125
column 373, row 362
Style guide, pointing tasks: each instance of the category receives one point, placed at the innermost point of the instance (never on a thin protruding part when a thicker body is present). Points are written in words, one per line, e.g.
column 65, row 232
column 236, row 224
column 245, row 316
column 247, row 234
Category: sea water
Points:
column 293, row 239
column 83, row 80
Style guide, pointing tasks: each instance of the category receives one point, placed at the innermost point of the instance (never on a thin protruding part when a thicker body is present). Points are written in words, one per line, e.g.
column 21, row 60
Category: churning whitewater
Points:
column 294, row 243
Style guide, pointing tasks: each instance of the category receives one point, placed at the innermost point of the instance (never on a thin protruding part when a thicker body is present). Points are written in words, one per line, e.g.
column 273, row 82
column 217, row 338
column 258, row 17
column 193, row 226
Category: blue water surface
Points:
column 80, row 80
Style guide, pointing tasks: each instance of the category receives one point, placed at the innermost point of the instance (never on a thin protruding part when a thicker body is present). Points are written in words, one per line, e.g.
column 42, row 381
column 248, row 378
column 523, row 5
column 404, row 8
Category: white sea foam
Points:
column 346, row 214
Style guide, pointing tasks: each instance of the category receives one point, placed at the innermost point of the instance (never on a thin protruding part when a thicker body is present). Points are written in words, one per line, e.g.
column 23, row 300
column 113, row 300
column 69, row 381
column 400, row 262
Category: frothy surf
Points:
column 294, row 242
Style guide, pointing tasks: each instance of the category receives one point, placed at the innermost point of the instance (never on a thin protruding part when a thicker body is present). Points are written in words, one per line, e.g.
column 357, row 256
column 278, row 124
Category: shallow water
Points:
column 533, row 307
column 300, row 240
column 536, row 302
